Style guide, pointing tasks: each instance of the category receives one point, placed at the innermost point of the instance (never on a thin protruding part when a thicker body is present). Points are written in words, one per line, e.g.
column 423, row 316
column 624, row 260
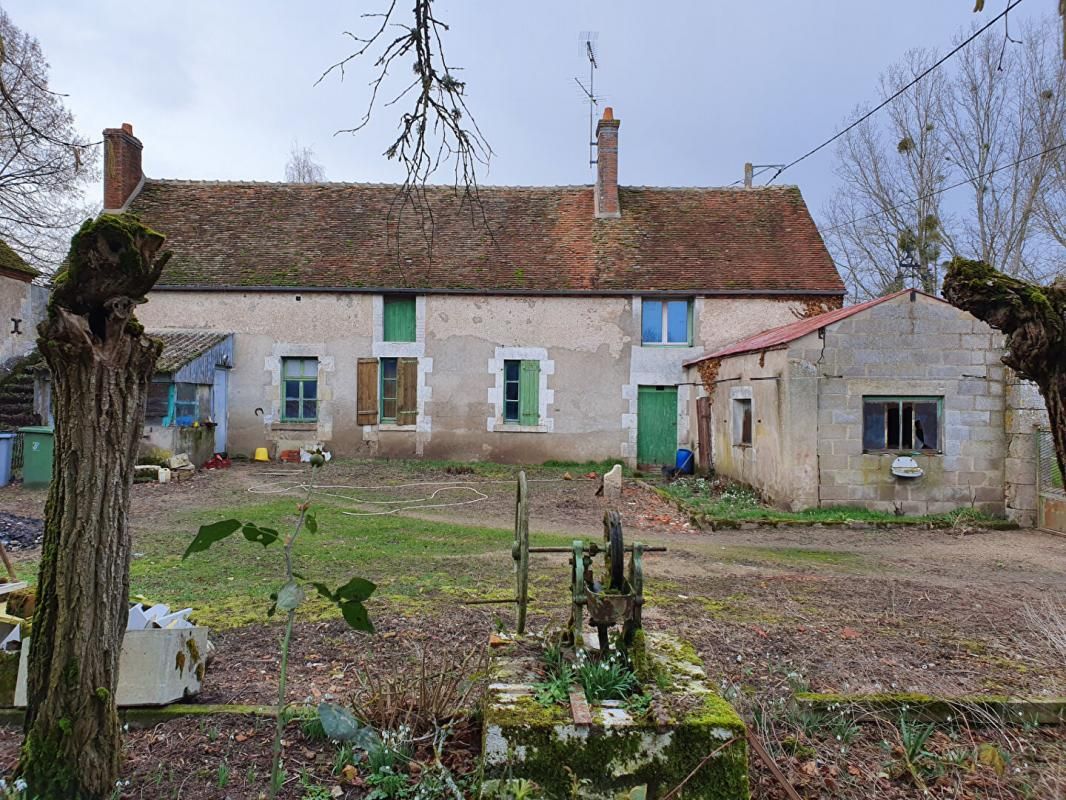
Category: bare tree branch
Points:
column 439, row 127
column 980, row 124
column 44, row 163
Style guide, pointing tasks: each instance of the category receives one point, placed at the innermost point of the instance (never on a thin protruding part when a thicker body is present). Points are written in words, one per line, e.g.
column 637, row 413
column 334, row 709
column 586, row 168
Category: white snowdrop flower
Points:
column 3, row 783
column 20, row 785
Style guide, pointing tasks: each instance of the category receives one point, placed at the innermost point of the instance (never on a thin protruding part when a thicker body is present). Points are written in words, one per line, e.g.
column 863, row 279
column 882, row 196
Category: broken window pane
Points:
column 926, row 427
column 900, row 423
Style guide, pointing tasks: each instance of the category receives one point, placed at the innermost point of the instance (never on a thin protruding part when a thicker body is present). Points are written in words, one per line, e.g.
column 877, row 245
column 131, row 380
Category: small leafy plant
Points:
column 349, row 598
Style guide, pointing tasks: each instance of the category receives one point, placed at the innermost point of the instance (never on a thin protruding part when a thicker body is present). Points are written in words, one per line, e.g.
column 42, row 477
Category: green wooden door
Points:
column 656, row 424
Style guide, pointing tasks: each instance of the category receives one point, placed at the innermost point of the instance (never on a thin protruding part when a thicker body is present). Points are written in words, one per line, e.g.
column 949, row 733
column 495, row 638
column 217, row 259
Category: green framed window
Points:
column 665, row 321
column 390, row 384
column 902, row 423
column 299, row 379
column 521, row 392
column 399, row 318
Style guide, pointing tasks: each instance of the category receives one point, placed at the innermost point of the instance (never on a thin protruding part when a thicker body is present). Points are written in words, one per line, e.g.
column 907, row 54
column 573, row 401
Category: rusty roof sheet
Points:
column 521, row 239
column 776, row 338
column 182, row 347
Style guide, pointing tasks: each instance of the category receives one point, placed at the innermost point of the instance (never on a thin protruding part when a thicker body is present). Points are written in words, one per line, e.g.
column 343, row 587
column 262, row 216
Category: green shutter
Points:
column 399, row 319
column 529, row 393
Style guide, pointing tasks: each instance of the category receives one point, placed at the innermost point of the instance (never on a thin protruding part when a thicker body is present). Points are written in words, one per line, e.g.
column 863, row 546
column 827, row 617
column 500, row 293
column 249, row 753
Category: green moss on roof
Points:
column 12, row 261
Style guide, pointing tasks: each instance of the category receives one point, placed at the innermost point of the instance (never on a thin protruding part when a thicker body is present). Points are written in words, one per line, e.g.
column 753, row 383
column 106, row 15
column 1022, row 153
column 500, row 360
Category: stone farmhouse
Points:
column 542, row 323
column 817, row 412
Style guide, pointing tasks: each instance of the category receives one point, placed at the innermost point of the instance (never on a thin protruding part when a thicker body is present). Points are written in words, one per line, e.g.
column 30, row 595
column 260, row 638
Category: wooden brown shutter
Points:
column 407, row 391
column 366, row 392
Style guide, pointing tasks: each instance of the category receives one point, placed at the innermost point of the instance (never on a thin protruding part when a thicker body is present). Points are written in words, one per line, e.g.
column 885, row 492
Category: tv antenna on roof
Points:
column 589, row 48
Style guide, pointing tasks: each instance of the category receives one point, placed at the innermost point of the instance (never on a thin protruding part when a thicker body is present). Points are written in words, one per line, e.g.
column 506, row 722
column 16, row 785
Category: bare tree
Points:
column 438, row 129
column 990, row 123
column 302, row 167
column 44, row 163
column 891, row 171
column 101, row 362
column 1003, row 119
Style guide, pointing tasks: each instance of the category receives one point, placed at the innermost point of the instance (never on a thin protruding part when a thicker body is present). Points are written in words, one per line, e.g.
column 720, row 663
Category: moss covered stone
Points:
column 523, row 739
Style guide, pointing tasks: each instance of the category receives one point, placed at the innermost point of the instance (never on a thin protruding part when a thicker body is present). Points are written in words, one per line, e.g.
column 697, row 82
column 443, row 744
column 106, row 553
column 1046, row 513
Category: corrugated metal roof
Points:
column 776, row 338
column 181, row 347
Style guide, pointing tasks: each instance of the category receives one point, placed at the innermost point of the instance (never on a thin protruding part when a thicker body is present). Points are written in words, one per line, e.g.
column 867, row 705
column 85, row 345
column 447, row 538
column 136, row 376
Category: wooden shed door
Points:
column 656, row 424
column 703, row 427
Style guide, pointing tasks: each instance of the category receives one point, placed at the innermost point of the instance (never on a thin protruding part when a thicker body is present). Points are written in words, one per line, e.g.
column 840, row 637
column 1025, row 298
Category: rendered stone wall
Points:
column 919, row 348
column 590, row 351
column 780, row 460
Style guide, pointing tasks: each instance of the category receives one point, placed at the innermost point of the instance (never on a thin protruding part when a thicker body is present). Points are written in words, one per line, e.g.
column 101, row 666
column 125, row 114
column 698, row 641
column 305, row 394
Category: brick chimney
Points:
column 122, row 166
column 606, row 197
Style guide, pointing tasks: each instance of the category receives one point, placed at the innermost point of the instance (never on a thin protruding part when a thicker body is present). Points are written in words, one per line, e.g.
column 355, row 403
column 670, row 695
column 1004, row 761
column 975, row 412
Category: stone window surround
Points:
column 741, row 393
column 545, row 395
column 415, row 349
column 323, row 426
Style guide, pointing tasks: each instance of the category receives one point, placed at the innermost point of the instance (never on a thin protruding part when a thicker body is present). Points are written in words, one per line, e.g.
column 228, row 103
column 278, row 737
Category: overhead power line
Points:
column 888, row 100
column 943, row 189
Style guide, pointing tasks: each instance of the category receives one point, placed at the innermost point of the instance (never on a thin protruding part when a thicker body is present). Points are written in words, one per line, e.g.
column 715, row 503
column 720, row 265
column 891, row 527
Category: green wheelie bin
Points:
column 37, row 454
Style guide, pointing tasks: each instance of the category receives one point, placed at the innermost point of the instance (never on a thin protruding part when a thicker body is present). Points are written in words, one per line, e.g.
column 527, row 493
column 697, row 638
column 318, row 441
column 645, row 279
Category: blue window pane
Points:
column 311, row 389
column 310, row 409
column 652, row 321
column 292, row 409
column 511, row 390
column 677, row 322
column 292, row 389
column 510, row 410
column 510, row 370
column 388, row 367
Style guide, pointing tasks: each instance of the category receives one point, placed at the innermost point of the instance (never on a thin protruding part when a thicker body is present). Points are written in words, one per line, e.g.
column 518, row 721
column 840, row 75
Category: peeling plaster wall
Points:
column 589, row 349
column 716, row 322
column 27, row 303
column 337, row 329
column 779, row 462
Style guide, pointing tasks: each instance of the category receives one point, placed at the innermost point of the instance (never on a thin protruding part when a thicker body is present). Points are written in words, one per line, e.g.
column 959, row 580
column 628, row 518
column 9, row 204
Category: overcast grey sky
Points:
column 219, row 89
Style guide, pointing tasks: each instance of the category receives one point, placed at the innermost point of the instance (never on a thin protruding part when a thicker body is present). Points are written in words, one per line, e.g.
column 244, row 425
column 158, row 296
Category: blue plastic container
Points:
column 7, row 449
column 686, row 461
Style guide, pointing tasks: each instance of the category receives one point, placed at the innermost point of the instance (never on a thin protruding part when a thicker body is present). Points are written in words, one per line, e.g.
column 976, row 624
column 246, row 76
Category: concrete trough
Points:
column 157, row 666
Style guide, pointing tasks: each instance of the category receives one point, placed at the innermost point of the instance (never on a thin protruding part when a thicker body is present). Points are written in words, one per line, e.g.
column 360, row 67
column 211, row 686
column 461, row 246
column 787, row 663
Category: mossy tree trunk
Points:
column 1034, row 320
column 101, row 363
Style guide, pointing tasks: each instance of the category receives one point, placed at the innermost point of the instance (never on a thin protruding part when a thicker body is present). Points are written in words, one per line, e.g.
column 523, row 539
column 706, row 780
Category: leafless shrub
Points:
column 422, row 693
column 1049, row 620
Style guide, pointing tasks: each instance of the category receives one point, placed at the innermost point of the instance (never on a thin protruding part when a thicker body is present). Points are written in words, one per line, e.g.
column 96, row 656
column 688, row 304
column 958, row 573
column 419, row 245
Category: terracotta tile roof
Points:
column 544, row 239
column 184, row 347
column 777, row 338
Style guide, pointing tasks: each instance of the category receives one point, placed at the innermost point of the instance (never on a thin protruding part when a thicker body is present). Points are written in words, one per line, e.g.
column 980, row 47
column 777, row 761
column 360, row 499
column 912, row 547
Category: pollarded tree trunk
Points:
column 1034, row 320
column 101, row 363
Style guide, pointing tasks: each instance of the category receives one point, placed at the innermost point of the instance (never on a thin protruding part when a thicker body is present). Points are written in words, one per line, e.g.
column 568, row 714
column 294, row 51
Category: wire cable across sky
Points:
column 1010, row 7
column 943, row 189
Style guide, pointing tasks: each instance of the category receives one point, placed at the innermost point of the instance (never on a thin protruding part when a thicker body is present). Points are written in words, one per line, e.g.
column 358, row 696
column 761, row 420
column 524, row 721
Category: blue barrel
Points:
column 686, row 461
column 7, row 446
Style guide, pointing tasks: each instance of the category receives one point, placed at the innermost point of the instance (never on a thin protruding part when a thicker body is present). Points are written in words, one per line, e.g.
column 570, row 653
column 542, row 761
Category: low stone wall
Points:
column 614, row 749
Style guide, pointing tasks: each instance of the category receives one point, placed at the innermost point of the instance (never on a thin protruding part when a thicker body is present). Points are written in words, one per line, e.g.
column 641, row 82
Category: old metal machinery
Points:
column 615, row 600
